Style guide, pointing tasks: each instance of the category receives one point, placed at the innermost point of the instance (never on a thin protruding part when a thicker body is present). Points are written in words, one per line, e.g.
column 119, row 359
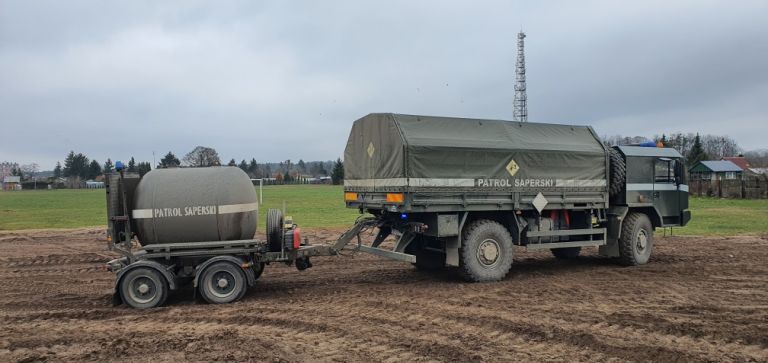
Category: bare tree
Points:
column 202, row 156
column 29, row 170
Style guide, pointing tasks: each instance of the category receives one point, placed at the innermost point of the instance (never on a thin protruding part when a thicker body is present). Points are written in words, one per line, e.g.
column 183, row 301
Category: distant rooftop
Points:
column 738, row 160
column 720, row 165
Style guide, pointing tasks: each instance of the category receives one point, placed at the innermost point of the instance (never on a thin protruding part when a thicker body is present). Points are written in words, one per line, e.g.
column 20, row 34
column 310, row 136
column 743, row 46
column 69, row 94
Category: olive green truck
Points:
column 462, row 192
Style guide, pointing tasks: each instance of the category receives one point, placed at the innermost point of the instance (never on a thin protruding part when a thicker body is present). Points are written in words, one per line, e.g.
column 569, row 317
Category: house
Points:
column 715, row 170
column 12, row 183
column 740, row 160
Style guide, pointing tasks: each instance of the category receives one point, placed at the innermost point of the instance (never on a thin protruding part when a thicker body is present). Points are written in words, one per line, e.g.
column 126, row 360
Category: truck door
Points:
column 665, row 194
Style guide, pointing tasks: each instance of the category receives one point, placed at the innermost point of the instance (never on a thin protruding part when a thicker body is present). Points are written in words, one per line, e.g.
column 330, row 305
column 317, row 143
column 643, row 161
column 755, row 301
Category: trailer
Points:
column 219, row 270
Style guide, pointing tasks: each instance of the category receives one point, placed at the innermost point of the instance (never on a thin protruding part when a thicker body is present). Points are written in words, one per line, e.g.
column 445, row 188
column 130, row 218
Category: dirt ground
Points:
column 701, row 299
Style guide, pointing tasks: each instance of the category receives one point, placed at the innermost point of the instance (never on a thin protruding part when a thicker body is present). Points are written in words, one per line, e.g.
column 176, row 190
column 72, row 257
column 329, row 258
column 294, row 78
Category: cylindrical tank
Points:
column 195, row 205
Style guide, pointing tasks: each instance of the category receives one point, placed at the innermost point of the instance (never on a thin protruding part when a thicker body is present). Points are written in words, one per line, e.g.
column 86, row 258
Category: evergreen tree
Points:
column 169, row 161
column 232, row 162
column 243, row 166
column 108, row 166
column 696, row 153
column 132, row 166
column 337, row 175
column 253, row 168
column 57, row 170
column 94, row 170
column 302, row 166
column 143, row 167
column 76, row 166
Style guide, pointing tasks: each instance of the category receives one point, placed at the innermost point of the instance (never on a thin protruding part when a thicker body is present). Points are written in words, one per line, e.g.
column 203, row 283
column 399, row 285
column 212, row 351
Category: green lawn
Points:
column 309, row 205
column 724, row 217
column 323, row 206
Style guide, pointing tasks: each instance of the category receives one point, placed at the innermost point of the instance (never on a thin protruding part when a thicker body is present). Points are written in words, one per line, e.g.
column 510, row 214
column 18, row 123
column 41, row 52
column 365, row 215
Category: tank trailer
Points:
column 449, row 191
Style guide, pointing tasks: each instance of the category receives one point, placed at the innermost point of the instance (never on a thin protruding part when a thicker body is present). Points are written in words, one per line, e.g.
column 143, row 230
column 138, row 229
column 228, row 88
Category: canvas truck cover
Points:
column 388, row 152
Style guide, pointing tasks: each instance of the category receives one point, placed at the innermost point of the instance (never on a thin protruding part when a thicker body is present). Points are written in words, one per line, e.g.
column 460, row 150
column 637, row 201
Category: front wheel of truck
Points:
column 486, row 251
column 636, row 241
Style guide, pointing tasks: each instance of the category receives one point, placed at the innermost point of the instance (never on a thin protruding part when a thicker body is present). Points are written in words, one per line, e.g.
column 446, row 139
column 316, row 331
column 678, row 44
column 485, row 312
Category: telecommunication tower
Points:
column 521, row 99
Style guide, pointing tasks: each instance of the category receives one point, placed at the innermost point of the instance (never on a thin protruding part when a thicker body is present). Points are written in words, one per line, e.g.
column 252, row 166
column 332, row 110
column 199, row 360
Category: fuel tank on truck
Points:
column 195, row 205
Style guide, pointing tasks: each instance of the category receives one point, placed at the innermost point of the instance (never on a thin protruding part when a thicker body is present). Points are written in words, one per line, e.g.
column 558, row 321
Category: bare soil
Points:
column 700, row 299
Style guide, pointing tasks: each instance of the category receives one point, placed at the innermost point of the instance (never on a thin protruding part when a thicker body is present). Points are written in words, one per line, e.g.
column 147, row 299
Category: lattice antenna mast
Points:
column 521, row 98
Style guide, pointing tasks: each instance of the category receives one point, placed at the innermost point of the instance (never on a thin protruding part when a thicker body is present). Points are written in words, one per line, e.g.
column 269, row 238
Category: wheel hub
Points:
column 488, row 252
column 143, row 289
column 642, row 241
column 222, row 283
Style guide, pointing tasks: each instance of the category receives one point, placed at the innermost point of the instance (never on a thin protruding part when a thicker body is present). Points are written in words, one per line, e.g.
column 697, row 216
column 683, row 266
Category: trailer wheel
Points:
column 566, row 253
column 618, row 173
column 636, row 241
column 275, row 230
column 486, row 251
column 143, row 288
column 222, row 282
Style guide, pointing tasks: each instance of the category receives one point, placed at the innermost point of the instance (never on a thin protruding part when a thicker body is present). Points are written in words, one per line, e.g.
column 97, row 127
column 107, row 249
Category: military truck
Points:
column 462, row 192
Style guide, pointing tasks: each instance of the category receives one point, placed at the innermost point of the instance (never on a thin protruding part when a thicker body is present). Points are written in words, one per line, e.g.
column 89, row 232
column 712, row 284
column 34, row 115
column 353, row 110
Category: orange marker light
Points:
column 395, row 197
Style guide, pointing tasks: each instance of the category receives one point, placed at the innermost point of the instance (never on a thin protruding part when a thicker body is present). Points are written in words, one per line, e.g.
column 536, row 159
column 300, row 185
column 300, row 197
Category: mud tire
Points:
column 216, row 294
column 486, row 252
column 275, row 230
column 154, row 282
column 618, row 173
column 636, row 241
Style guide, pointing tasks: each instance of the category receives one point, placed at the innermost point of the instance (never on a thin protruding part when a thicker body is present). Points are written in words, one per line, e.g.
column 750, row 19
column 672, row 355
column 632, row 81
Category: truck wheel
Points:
column 618, row 173
column 222, row 282
column 143, row 288
column 486, row 251
column 566, row 253
column 636, row 241
column 275, row 230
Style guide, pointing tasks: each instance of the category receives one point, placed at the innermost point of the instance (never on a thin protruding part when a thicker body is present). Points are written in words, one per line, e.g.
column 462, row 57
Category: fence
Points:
column 751, row 186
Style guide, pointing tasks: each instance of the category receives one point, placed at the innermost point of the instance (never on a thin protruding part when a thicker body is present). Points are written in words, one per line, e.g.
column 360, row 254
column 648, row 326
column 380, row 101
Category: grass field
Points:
column 322, row 206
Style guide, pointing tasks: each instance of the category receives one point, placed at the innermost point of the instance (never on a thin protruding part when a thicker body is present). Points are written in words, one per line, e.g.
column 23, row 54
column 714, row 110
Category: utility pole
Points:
column 521, row 98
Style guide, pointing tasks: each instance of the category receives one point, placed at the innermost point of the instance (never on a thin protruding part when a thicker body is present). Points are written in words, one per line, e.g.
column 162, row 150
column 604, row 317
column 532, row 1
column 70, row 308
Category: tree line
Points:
column 283, row 172
column 77, row 167
column 695, row 147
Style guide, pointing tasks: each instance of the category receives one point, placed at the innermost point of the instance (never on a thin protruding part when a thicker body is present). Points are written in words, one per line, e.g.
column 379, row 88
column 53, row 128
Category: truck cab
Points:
column 656, row 183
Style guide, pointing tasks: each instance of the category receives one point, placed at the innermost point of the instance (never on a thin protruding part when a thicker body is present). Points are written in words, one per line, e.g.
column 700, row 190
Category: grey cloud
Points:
column 276, row 80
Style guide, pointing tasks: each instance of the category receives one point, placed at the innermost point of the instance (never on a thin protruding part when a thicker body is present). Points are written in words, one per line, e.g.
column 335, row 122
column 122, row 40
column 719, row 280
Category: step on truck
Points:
column 462, row 192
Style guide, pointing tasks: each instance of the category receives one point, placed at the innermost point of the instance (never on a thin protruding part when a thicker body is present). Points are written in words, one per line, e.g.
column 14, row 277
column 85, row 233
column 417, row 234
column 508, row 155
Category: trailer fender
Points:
column 249, row 275
column 169, row 277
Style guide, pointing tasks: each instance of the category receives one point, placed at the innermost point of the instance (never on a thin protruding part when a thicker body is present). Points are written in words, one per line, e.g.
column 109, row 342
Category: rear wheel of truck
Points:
column 222, row 282
column 636, row 241
column 143, row 288
column 566, row 253
column 486, row 251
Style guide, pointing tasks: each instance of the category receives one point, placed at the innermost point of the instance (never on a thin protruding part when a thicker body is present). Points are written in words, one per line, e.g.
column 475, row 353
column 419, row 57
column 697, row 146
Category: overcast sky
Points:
column 285, row 79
